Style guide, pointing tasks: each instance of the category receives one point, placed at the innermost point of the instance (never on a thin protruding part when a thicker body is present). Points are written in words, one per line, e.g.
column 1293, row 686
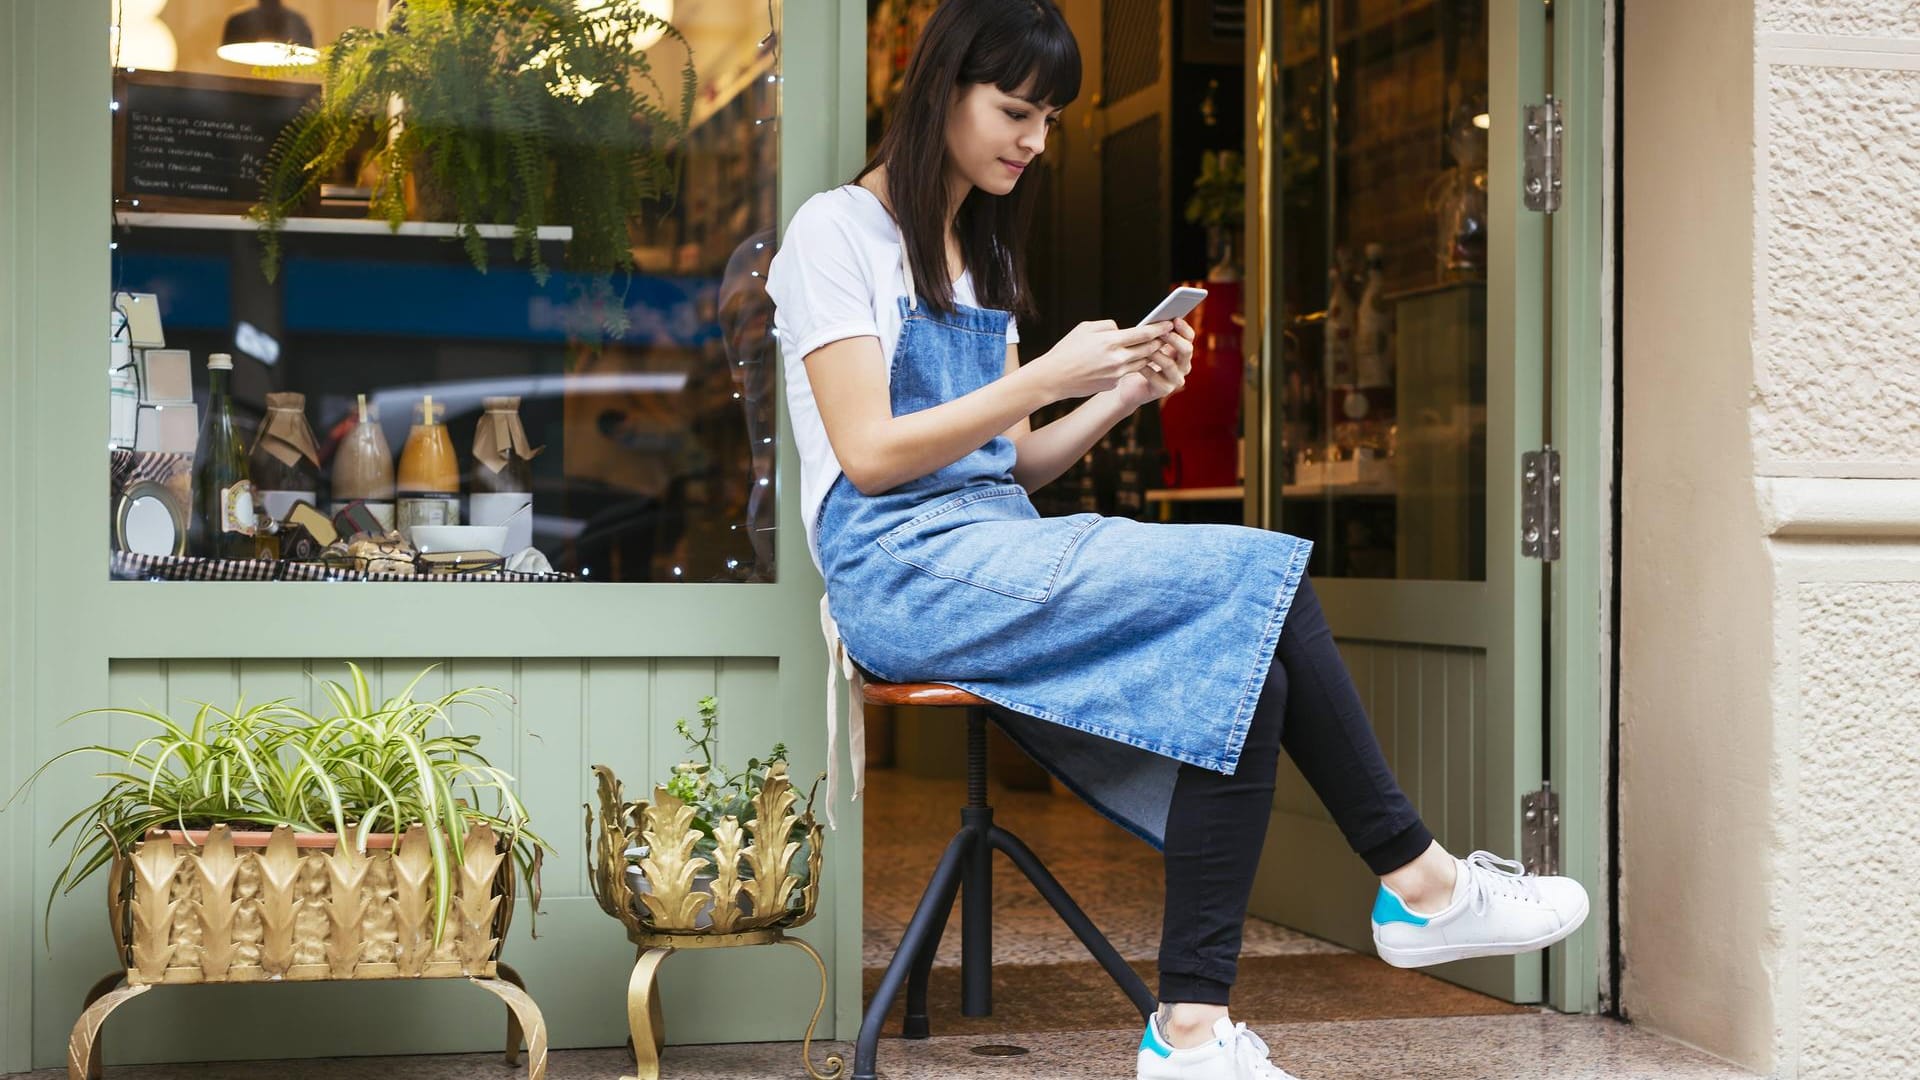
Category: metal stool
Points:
column 968, row 862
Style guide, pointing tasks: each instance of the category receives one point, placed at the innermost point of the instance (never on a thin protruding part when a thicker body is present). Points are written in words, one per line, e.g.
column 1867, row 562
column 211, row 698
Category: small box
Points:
column 166, row 376
column 171, row 429
column 143, row 319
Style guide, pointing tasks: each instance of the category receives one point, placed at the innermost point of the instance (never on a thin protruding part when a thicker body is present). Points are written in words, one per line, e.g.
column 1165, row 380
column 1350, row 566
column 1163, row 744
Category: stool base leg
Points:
column 976, row 915
column 1055, row 895
column 946, row 878
column 916, row 1025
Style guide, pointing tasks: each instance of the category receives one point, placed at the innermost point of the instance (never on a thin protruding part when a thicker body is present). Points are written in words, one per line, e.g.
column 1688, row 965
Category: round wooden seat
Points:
column 915, row 693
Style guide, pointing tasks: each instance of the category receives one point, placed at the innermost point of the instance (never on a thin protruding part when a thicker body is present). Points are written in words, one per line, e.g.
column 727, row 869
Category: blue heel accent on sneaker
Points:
column 1388, row 908
column 1150, row 1040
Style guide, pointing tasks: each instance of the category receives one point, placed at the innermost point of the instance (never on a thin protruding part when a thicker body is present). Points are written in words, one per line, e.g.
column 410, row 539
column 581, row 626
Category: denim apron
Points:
column 1114, row 649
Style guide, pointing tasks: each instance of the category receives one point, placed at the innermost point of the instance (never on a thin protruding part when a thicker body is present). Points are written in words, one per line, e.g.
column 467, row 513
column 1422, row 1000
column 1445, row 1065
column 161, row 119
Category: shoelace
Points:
column 1251, row 1051
column 1490, row 876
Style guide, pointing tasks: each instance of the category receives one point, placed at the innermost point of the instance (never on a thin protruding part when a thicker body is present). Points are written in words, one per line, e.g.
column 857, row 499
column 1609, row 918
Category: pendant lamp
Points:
column 268, row 34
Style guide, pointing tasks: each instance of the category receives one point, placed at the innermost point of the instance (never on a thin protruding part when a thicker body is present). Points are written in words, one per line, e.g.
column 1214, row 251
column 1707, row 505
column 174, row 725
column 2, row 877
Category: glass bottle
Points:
column 1373, row 344
column 1339, row 328
column 500, row 483
column 224, row 525
column 285, row 463
column 427, row 486
column 363, row 469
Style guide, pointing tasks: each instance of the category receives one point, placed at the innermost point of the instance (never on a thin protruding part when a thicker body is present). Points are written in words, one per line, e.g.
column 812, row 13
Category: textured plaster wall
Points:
column 1849, row 696
column 1770, row 716
column 1863, row 18
column 1837, row 365
column 1840, row 378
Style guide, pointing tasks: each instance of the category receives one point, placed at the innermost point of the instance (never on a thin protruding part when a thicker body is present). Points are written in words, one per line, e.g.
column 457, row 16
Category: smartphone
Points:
column 1177, row 304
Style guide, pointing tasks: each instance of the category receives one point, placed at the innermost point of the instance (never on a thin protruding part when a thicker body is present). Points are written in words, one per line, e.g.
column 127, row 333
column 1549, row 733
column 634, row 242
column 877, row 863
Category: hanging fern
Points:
column 528, row 112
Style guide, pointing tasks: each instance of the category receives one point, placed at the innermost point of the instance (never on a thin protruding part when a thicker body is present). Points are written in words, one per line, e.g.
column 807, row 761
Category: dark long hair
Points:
column 1009, row 43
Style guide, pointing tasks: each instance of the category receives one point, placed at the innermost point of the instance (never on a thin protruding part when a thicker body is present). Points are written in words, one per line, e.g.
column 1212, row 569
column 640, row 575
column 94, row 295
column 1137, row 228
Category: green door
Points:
column 1400, row 350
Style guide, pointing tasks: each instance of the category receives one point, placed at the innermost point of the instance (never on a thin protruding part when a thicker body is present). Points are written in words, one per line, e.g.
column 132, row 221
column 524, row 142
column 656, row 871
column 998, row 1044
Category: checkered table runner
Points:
column 128, row 566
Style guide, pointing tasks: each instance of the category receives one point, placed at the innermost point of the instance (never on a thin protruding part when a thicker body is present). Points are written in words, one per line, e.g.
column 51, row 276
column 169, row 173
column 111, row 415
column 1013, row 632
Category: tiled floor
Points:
column 1532, row 1047
column 1111, row 874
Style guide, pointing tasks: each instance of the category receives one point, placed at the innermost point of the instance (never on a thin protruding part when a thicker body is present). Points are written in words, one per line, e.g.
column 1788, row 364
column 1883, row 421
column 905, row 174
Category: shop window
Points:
column 564, row 349
column 1381, row 174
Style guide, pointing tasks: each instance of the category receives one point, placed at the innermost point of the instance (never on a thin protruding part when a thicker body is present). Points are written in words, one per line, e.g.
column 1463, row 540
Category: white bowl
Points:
column 430, row 538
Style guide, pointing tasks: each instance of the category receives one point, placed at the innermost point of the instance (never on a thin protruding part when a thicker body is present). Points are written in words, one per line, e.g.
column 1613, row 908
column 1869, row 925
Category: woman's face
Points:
column 992, row 136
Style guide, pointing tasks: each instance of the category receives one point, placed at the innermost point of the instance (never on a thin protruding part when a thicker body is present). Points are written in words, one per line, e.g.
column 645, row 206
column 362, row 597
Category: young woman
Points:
column 1157, row 670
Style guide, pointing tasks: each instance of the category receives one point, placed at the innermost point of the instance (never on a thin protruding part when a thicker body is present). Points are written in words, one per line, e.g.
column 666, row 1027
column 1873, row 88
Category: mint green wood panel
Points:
column 553, row 766
column 1409, row 720
column 16, row 548
column 1434, row 765
column 1579, row 374
column 1465, row 670
column 72, row 636
column 620, row 720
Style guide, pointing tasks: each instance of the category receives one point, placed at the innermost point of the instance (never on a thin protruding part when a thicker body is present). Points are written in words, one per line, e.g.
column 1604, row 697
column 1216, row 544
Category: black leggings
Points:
column 1217, row 823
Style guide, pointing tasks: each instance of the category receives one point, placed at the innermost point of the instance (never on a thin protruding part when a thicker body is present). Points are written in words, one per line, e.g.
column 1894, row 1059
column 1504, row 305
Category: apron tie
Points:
column 906, row 274
column 840, row 663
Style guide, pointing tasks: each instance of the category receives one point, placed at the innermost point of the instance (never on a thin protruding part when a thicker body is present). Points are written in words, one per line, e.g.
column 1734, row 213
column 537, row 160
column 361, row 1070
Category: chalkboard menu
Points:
column 197, row 142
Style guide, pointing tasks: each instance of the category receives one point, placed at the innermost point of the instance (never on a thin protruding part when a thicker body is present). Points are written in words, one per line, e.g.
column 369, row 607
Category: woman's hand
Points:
column 1095, row 357
column 1165, row 372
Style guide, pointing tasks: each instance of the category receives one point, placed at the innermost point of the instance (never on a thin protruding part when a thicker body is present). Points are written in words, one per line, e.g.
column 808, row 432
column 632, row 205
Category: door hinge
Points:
column 1541, row 183
column 1540, row 504
column 1540, row 830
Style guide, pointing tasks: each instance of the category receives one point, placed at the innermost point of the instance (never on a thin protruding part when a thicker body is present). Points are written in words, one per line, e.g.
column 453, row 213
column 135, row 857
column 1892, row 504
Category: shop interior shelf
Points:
column 1290, row 491
column 345, row 226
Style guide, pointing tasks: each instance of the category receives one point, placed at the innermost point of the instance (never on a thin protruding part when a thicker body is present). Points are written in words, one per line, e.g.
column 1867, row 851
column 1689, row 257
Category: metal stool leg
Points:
column 916, row 1024
column 976, row 894
column 945, row 878
column 1090, row 936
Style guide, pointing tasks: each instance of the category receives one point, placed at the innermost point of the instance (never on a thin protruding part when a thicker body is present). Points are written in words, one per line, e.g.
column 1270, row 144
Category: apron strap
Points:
column 906, row 272
column 838, row 664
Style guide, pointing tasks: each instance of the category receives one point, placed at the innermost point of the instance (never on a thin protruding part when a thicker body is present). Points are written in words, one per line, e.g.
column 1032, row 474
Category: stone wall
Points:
column 1836, row 428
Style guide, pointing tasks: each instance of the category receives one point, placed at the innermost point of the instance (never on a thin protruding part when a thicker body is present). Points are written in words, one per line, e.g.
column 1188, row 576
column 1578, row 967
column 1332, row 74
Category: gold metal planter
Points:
column 753, row 865
column 227, row 909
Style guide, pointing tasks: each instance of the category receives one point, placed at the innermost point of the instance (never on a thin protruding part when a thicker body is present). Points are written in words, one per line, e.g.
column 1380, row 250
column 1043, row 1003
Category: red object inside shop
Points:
column 1199, row 426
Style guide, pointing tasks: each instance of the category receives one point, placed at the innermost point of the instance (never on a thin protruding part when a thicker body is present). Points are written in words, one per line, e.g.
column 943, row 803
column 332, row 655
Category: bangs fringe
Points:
column 1041, row 52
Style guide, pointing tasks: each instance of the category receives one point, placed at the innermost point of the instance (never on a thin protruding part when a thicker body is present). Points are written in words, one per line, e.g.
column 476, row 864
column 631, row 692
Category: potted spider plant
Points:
column 531, row 112
column 369, row 841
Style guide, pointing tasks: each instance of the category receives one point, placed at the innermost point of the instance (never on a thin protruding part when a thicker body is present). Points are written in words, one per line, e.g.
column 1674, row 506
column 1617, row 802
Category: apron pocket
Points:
column 992, row 538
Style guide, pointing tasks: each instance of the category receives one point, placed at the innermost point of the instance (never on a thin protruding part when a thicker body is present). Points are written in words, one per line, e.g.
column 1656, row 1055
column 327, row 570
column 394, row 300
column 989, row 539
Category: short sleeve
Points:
column 821, row 288
column 1013, row 330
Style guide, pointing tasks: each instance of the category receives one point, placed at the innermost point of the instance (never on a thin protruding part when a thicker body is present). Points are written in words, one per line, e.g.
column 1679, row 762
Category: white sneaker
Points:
column 1497, row 910
column 1234, row 1054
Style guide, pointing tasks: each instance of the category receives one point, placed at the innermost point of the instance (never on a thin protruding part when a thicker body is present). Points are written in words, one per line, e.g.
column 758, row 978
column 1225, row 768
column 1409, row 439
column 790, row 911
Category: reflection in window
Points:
column 1381, row 404
column 625, row 396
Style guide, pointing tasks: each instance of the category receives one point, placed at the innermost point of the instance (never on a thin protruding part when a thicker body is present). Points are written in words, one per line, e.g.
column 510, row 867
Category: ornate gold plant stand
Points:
column 222, row 912
column 668, row 919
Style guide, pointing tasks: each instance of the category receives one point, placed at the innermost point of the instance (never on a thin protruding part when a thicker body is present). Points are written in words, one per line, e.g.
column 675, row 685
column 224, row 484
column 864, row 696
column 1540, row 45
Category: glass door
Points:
column 1398, row 353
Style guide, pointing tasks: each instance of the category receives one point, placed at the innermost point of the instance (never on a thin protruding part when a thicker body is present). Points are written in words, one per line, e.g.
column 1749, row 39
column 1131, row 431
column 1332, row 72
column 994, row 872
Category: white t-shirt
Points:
column 836, row 275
